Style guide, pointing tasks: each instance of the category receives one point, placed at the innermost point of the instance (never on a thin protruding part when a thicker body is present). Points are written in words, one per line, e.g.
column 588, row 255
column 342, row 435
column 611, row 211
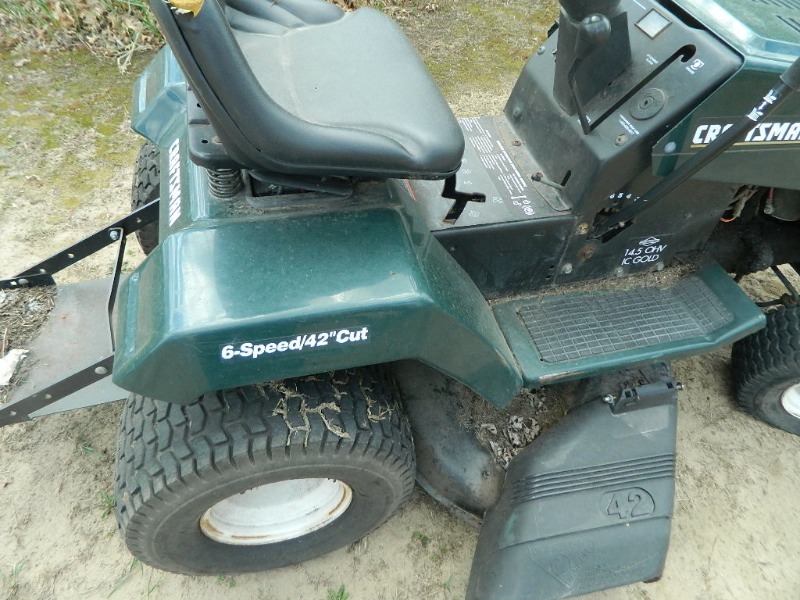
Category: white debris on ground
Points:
column 8, row 364
column 23, row 313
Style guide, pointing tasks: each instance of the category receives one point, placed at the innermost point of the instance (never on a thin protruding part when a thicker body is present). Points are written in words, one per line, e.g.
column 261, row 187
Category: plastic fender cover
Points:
column 586, row 507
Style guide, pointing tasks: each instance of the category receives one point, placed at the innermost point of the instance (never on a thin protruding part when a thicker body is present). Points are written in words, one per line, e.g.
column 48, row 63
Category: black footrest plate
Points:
column 557, row 337
column 581, row 325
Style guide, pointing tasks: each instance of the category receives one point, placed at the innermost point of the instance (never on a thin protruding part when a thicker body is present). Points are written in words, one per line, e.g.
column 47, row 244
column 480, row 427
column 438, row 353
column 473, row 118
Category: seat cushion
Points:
column 301, row 87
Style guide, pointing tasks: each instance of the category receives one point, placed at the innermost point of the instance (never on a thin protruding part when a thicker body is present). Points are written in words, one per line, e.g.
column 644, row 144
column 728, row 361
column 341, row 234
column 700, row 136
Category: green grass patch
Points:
column 9, row 578
column 487, row 41
column 67, row 113
column 340, row 594
column 133, row 566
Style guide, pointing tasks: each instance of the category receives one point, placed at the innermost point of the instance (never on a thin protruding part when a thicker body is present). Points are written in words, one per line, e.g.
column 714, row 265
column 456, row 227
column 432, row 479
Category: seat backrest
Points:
column 259, row 133
column 217, row 71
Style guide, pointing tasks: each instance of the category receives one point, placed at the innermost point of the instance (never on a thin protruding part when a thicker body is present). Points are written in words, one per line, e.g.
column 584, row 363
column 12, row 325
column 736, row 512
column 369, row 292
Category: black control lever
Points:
column 461, row 199
column 593, row 32
column 788, row 84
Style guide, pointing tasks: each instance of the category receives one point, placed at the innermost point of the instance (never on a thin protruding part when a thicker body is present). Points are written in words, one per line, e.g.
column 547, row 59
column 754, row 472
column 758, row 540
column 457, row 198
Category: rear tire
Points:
column 766, row 368
column 147, row 189
column 175, row 463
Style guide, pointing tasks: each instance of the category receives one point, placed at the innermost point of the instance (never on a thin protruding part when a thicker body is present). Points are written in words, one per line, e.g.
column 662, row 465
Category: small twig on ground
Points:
column 124, row 59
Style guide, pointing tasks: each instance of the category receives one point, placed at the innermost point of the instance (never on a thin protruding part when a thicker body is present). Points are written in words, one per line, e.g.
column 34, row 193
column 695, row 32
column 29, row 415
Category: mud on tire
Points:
column 175, row 462
column 766, row 368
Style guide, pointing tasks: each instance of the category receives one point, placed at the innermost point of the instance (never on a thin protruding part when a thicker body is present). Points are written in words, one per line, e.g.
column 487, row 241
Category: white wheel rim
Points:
column 276, row 512
column 790, row 399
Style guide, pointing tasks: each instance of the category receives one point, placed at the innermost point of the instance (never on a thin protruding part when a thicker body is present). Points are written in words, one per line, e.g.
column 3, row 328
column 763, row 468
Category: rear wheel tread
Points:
column 147, row 465
column 146, row 189
column 764, row 360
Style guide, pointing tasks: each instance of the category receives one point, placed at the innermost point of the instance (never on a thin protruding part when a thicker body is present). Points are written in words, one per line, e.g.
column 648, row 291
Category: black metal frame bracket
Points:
column 21, row 410
column 42, row 272
column 644, row 396
column 793, row 297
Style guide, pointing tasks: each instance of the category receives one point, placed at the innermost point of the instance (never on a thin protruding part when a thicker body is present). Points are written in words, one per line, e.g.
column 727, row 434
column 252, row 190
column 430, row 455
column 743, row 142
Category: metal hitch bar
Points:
column 41, row 274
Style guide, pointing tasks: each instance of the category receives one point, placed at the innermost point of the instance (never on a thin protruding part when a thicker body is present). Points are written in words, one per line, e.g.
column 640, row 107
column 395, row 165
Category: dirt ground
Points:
column 65, row 166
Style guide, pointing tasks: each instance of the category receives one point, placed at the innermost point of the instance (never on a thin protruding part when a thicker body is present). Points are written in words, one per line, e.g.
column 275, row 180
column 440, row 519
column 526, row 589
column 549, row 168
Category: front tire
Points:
column 326, row 458
column 766, row 368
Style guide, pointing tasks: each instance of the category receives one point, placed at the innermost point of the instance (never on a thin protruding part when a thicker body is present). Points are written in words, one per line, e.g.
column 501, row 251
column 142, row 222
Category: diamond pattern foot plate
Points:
column 596, row 323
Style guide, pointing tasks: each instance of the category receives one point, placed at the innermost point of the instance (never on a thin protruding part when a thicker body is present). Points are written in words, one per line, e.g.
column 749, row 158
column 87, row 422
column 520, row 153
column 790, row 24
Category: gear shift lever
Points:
column 593, row 49
column 593, row 32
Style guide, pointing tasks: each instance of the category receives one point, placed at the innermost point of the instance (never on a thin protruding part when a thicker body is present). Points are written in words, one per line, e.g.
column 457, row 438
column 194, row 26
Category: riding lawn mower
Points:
column 334, row 262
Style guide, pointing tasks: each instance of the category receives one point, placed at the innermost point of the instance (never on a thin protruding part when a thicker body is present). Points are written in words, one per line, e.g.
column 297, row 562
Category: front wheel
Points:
column 262, row 476
column 767, row 370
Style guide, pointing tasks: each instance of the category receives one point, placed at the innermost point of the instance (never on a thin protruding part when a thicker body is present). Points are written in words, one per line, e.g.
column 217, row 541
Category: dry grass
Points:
column 115, row 28
column 108, row 27
column 23, row 313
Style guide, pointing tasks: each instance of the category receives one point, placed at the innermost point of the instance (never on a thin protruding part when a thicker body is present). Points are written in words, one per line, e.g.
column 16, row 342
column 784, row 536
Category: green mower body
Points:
column 357, row 276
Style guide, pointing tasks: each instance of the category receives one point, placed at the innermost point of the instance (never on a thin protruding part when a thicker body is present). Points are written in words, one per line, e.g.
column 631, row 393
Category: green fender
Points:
column 231, row 301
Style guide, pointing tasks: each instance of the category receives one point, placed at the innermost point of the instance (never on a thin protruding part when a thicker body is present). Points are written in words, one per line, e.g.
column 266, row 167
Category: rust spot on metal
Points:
column 206, row 525
column 346, row 497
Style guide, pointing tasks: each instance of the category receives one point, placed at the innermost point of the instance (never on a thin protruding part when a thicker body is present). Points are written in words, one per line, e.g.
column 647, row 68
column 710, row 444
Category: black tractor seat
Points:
column 300, row 87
